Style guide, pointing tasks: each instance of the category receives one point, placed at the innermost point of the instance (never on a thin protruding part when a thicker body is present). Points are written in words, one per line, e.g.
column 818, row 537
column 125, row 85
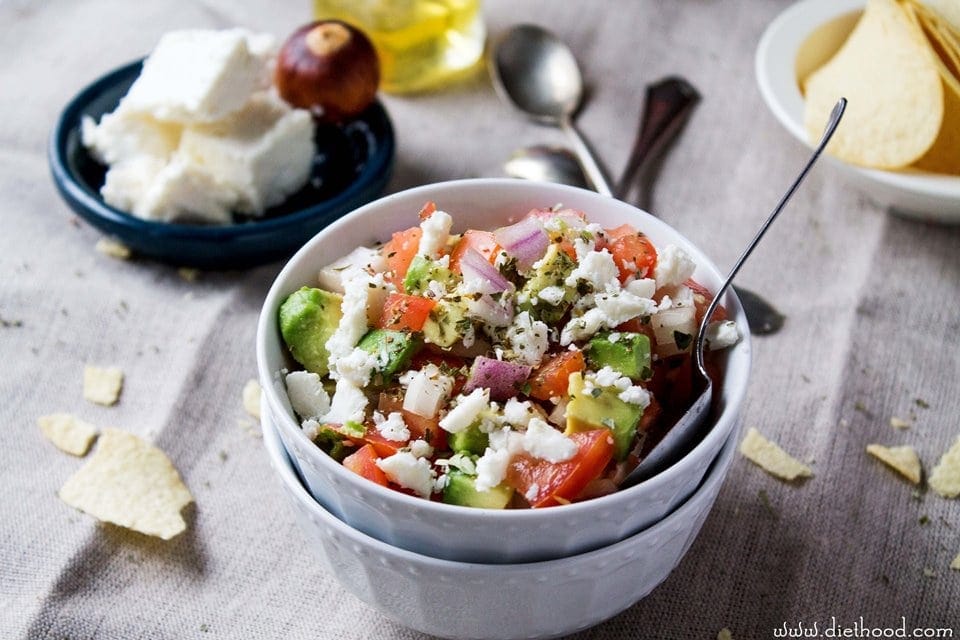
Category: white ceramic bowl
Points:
column 489, row 601
column 796, row 43
column 486, row 535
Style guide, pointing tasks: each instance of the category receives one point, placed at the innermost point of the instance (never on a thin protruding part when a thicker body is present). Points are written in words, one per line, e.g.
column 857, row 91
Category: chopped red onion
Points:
column 504, row 379
column 526, row 241
column 482, row 276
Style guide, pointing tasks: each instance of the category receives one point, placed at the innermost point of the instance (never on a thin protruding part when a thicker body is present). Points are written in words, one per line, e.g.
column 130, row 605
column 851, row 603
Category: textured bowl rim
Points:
column 282, row 463
column 776, row 77
column 92, row 203
column 500, row 516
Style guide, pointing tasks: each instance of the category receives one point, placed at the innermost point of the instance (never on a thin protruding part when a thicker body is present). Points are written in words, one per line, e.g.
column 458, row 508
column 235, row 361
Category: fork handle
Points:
column 668, row 104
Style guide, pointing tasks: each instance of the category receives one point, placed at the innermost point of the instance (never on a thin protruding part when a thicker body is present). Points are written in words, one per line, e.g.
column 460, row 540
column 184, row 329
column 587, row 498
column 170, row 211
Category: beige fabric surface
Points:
column 873, row 326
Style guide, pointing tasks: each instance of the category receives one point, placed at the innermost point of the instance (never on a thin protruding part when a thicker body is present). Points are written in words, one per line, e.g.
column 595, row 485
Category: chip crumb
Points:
column 771, row 458
column 188, row 274
column 955, row 565
column 113, row 248
column 68, row 433
column 945, row 477
column 130, row 483
column 725, row 634
column 904, row 460
column 251, row 398
column 101, row 385
column 899, row 423
column 929, row 573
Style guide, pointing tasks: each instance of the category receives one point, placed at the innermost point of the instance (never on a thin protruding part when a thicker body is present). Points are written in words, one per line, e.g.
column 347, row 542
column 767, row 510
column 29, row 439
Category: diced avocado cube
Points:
column 392, row 349
column 470, row 440
column 598, row 408
column 308, row 317
column 461, row 490
column 551, row 271
column 629, row 354
column 421, row 271
column 446, row 324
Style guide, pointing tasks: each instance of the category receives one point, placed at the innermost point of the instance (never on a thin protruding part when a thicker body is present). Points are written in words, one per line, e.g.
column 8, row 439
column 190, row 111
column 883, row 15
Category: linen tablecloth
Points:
column 871, row 333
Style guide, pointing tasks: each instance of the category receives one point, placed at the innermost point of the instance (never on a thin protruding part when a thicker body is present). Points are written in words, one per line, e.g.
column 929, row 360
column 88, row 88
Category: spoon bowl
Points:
column 537, row 73
column 547, row 164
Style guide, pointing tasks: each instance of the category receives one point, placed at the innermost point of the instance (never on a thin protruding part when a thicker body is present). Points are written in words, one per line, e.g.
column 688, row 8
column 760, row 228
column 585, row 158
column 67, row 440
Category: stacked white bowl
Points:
column 479, row 573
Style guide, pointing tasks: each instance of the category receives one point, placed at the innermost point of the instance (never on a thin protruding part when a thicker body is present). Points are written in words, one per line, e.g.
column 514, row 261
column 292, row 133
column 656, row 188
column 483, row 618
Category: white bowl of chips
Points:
column 904, row 124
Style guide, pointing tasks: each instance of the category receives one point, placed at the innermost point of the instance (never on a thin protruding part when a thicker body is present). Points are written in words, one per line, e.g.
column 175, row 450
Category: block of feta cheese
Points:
column 183, row 192
column 123, row 135
column 262, row 153
column 199, row 75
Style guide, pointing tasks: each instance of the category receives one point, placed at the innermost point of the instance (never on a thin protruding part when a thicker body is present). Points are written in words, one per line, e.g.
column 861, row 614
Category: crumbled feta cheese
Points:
column 674, row 266
column 466, row 411
column 621, row 306
column 720, row 335
column 353, row 320
column 436, row 232
column 358, row 366
column 552, row 295
column 492, row 468
column 421, row 448
column 532, row 491
column 426, row 390
column 528, row 338
column 598, row 269
column 435, row 289
column 489, row 311
column 306, row 394
column 310, row 428
column 582, row 247
column 348, row 405
column 582, row 327
column 543, row 441
column 517, row 413
column 371, row 260
column 642, row 288
column 459, row 461
column 392, row 427
column 410, row 472
column 635, row 395
column 607, row 377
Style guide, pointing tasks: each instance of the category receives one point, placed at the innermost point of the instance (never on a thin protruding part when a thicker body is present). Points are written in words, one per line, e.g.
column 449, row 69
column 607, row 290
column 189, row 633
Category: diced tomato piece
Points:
column 427, row 210
column 421, row 428
column 560, row 482
column 482, row 242
column 550, row 379
column 546, row 214
column 633, row 255
column 384, row 447
column 401, row 312
column 702, row 299
column 364, row 462
column 399, row 253
column 618, row 232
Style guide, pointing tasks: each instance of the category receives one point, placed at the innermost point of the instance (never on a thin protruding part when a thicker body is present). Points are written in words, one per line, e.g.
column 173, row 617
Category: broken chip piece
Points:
column 955, row 565
column 945, row 477
column 899, row 423
column 67, row 432
column 904, row 460
column 102, row 385
column 113, row 248
column 131, row 483
column 771, row 458
column 725, row 634
column 251, row 398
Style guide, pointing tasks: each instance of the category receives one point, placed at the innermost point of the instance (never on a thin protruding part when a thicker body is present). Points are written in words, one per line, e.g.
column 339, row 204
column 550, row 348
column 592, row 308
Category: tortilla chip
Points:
column 725, row 634
column 904, row 460
column 945, row 477
column 771, row 458
column 68, row 433
column 949, row 10
column 251, row 398
column 113, row 248
column 889, row 74
column 102, row 385
column 130, row 483
column 899, row 423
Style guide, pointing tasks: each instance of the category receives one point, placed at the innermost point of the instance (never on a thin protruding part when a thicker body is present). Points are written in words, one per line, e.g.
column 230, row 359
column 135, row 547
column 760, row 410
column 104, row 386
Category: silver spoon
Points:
column 683, row 434
column 537, row 73
column 547, row 164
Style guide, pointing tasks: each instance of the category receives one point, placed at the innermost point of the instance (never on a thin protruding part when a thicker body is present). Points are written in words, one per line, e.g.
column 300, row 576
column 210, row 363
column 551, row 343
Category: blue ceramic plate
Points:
column 351, row 167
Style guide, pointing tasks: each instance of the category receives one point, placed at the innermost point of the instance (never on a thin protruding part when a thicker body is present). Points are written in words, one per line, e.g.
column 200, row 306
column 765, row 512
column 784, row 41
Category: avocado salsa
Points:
column 528, row 366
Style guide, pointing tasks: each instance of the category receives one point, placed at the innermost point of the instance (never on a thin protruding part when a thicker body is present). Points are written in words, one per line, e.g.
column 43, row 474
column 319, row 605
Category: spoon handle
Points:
column 590, row 167
column 667, row 106
column 835, row 115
